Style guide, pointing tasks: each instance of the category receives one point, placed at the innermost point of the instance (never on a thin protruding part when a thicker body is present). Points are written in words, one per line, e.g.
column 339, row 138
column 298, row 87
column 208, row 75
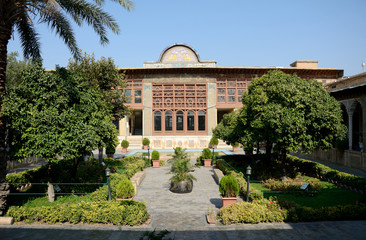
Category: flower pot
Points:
column 155, row 163
column 207, row 162
column 110, row 155
column 145, row 147
column 181, row 187
column 124, row 150
column 226, row 201
column 211, row 219
column 235, row 149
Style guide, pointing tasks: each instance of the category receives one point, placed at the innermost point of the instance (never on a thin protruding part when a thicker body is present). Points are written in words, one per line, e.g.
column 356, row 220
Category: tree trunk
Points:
column 4, row 188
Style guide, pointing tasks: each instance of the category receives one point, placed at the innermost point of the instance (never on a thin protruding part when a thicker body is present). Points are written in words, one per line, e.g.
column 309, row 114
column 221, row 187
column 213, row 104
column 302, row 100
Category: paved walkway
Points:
column 171, row 210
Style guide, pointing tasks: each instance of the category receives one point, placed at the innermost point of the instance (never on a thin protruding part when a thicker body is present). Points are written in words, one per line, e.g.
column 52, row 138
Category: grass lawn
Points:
column 331, row 195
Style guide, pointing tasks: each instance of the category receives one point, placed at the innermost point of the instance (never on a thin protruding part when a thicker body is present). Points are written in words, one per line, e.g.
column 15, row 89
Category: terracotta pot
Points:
column 235, row 149
column 110, row 155
column 124, row 150
column 145, row 147
column 226, row 201
column 207, row 162
column 155, row 163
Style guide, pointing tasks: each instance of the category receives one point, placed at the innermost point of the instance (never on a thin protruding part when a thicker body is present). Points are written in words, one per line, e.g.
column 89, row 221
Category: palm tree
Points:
column 23, row 15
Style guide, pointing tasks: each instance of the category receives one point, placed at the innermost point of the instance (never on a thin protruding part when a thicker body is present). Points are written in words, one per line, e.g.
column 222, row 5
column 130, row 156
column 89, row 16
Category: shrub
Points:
column 236, row 144
column 125, row 143
column 145, row 141
column 125, row 189
column 228, row 186
column 214, row 141
column 206, row 153
column 254, row 212
column 290, row 184
column 155, row 155
column 117, row 213
column 110, row 149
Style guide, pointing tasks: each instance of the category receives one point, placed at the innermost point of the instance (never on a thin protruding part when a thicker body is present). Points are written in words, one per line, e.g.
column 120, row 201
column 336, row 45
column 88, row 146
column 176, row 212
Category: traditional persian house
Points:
column 179, row 99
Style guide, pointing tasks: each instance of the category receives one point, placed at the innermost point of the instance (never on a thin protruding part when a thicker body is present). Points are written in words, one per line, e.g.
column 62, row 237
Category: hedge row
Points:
column 118, row 213
column 271, row 211
column 226, row 169
column 321, row 171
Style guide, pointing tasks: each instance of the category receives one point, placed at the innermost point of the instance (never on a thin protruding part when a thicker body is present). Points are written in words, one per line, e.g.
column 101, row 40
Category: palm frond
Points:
column 58, row 22
column 29, row 38
column 126, row 4
column 81, row 10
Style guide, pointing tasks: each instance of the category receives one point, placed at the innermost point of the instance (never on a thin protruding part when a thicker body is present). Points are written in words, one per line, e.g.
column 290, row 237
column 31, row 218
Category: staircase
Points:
column 135, row 142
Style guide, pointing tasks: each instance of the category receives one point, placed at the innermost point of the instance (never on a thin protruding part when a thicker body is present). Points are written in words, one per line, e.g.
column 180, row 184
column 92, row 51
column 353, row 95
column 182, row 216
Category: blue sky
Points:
column 231, row 32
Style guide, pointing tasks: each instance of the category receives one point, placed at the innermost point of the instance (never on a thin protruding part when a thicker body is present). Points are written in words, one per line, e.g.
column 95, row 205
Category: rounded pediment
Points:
column 179, row 53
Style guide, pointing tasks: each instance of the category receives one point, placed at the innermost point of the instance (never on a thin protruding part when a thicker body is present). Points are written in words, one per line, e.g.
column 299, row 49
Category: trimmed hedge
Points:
column 272, row 211
column 252, row 212
column 118, row 213
column 321, row 171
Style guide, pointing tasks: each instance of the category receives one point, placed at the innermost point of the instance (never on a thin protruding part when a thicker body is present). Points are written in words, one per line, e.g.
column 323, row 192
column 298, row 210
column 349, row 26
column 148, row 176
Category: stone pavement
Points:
column 170, row 210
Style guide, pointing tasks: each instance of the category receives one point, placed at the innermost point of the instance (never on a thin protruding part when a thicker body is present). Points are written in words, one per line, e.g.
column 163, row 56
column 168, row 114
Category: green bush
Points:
column 253, row 212
column 214, row 141
column 125, row 143
column 117, row 213
column 145, row 141
column 125, row 189
column 155, row 155
column 110, row 149
column 206, row 153
column 228, row 186
column 290, row 184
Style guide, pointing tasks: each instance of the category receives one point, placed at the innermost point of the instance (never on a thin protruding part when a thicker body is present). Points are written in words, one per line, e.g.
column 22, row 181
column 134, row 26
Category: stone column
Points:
column 350, row 108
column 211, row 107
column 147, row 117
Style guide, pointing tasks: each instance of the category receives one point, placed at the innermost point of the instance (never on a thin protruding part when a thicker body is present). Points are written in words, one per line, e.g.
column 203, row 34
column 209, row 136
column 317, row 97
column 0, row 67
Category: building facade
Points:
column 179, row 99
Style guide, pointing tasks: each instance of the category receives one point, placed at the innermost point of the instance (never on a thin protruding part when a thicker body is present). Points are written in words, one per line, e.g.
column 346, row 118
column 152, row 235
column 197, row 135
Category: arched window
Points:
column 168, row 121
column 157, row 121
column 190, row 121
column 201, row 121
column 179, row 121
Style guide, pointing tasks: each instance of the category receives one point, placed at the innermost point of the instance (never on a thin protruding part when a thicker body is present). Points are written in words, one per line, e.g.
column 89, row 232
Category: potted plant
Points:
column 182, row 180
column 214, row 142
column 229, row 189
column 110, row 150
column 207, row 157
column 125, row 145
column 235, row 146
column 125, row 190
column 145, row 142
column 155, row 156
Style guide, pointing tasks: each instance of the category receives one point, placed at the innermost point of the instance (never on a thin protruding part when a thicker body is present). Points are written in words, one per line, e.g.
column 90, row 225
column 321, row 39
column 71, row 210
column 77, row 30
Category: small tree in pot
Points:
column 110, row 150
column 235, row 146
column 207, row 157
column 182, row 181
column 145, row 142
column 229, row 189
column 214, row 142
column 125, row 145
column 155, row 156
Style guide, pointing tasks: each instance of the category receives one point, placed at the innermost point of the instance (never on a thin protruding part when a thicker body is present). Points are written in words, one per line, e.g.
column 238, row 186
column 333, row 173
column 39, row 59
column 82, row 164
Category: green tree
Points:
column 104, row 75
column 56, row 114
column 22, row 15
column 287, row 113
